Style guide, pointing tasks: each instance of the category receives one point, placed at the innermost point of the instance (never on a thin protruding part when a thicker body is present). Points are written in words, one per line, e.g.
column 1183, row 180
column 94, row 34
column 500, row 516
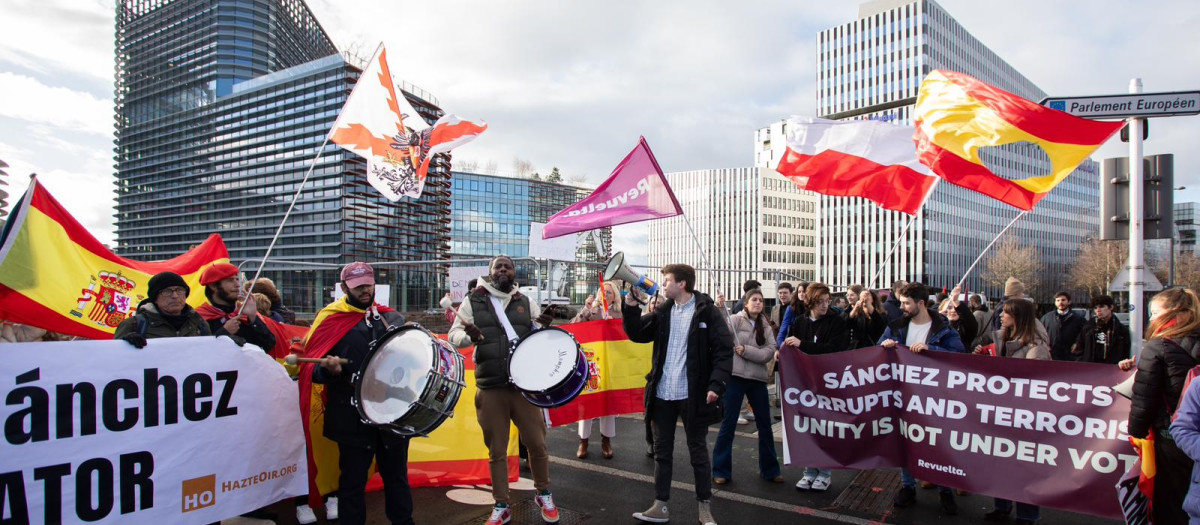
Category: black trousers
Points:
column 664, row 414
column 1171, row 482
column 392, row 464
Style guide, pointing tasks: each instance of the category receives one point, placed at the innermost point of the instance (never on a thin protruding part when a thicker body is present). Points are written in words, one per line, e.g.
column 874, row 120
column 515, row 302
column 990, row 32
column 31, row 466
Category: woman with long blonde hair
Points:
column 1171, row 350
column 594, row 309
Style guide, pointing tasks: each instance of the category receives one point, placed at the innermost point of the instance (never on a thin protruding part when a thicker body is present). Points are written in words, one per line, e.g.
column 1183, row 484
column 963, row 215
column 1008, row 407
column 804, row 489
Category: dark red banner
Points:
column 1041, row 432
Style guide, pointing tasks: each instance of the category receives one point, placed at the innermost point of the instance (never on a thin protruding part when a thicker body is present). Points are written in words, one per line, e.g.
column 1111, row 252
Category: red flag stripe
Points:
column 1035, row 119
column 597, row 404
column 839, row 174
column 23, row 310
column 976, row 177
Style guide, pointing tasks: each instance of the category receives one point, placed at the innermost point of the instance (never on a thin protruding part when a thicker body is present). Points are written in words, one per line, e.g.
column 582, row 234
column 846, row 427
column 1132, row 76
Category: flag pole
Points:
column 895, row 245
column 707, row 262
column 291, row 206
column 989, row 246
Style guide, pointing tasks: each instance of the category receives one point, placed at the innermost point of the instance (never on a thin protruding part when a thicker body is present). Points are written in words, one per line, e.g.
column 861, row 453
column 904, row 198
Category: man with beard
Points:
column 220, row 283
column 341, row 335
column 493, row 317
column 920, row 328
column 691, row 364
column 1063, row 326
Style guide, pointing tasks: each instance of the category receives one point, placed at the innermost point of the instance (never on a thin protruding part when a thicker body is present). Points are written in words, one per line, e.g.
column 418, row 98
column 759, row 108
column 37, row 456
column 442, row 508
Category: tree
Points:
column 468, row 166
column 1010, row 259
column 535, row 176
column 1097, row 265
column 1187, row 270
column 521, row 167
column 491, row 167
column 554, row 176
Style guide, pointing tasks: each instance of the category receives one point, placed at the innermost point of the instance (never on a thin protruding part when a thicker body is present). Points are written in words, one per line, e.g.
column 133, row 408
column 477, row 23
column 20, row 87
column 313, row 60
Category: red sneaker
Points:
column 549, row 511
column 500, row 515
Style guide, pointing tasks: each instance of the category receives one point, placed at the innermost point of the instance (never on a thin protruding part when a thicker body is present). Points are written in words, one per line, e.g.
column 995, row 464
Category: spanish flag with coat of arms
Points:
column 618, row 369
column 55, row 275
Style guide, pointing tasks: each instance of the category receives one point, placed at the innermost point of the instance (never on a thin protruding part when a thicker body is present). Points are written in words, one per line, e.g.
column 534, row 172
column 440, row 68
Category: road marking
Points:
column 717, row 493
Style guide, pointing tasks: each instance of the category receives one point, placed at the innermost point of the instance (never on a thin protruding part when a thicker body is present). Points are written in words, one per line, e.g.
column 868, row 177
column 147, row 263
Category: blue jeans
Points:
column 756, row 393
column 907, row 480
column 1025, row 511
column 810, row 472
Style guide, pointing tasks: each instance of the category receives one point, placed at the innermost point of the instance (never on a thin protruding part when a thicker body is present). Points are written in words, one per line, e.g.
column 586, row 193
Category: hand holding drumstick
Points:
column 330, row 363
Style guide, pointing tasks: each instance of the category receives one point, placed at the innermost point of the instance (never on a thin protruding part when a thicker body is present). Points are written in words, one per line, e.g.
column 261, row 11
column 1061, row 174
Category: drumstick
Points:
column 293, row 359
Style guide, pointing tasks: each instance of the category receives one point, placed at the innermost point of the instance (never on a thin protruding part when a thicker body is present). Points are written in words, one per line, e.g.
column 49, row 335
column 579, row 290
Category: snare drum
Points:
column 409, row 381
column 548, row 367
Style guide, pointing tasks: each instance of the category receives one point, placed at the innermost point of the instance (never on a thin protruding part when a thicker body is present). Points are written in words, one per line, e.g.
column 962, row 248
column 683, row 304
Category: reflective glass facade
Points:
column 1187, row 219
column 491, row 216
column 872, row 68
column 222, row 146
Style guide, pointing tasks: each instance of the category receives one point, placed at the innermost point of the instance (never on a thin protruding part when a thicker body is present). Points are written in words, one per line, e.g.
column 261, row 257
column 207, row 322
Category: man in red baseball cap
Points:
column 220, row 283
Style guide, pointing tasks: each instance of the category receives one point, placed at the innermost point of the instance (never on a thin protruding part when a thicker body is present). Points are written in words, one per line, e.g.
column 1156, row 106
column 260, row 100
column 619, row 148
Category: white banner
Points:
column 185, row 430
column 460, row 276
column 556, row 249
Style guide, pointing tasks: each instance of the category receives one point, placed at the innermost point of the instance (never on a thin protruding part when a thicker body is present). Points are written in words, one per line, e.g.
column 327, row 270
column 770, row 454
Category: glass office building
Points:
column 492, row 214
column 872, row 68
column 221, row 108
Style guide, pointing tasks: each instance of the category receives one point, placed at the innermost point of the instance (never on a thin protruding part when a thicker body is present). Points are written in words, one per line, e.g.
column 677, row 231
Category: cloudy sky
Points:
column 573, row 84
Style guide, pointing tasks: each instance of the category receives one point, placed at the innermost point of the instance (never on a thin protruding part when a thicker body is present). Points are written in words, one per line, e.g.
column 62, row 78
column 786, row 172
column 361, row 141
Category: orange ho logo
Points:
column 199, row 492
column 110, row 301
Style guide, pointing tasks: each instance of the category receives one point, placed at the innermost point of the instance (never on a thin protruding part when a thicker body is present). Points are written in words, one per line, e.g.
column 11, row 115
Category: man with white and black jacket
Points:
column 1103, row 339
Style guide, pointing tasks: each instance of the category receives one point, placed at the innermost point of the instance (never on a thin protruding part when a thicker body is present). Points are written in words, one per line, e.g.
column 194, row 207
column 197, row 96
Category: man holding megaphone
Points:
column 691, row 364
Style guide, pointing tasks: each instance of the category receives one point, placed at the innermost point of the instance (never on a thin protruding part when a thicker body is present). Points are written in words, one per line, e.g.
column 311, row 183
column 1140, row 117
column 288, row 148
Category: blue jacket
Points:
column 941, row 338
column 1186, row 431
column 788, row 317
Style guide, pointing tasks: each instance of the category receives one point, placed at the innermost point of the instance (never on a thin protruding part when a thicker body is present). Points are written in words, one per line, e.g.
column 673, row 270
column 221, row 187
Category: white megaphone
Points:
column 617, row 269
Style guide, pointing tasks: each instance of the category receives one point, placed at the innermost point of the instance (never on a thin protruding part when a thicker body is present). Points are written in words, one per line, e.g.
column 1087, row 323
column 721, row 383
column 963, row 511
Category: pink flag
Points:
column 636, row 191
column 378, row 123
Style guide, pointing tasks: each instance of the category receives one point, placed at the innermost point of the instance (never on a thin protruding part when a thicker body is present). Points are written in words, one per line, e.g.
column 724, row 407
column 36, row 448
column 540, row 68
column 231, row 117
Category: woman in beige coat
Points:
column 593, row 310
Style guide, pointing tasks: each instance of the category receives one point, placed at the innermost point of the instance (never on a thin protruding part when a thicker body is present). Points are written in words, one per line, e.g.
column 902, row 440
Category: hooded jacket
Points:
column 752, row 364
column 709, row 352
column 493, row 352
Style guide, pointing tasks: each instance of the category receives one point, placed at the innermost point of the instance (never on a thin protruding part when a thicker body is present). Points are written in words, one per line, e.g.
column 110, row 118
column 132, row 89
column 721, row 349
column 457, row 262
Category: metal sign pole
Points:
column 1137, row 263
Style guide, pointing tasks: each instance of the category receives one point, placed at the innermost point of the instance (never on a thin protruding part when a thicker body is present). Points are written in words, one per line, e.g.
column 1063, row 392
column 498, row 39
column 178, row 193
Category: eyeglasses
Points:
column 175, row 290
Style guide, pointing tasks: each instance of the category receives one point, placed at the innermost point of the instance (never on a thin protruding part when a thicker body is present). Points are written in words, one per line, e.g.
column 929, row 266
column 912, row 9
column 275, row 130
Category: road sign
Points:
column 1120, row 283
column 1129, row 105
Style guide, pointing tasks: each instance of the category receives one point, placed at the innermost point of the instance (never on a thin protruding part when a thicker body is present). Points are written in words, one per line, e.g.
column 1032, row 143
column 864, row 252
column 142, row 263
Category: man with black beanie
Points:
column 163, row 313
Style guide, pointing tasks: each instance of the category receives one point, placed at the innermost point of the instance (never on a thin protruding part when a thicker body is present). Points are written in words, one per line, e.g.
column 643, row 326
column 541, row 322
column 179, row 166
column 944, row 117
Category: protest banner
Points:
column 185, row 430
column 1042, row 432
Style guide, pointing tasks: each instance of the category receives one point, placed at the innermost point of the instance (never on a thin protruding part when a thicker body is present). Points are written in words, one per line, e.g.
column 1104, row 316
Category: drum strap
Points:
column 503, row 317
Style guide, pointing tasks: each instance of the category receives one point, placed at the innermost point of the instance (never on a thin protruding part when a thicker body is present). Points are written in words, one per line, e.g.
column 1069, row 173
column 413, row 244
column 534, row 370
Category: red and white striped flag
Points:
column 856, row 158
column 378, row 123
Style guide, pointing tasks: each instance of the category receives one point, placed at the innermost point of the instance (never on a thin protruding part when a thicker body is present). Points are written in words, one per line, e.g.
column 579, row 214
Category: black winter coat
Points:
column 865, row 330
column 342, row 422
column 1063, row 334
column 709, row 352
column 1161, row 370
column 1113, row 350
column 966, row 325
column 255, row 333
column 826, row 335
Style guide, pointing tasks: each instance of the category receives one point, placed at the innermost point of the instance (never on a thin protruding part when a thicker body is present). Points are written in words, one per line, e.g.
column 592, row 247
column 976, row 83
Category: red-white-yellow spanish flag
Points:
column 380, row 124
column 57, row 276
column 618, row 370
column 955, row 115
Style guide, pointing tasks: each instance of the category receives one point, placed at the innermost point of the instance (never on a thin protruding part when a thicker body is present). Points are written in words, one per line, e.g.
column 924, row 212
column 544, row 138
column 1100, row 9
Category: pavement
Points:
column 598, row 491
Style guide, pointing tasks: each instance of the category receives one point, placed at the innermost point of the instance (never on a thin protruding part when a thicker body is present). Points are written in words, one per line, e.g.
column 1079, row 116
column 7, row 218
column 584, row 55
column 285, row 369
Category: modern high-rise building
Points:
column 871, row 68
column 221, row 108
column 751, row 223
column 492, row 216
column 1187, row 220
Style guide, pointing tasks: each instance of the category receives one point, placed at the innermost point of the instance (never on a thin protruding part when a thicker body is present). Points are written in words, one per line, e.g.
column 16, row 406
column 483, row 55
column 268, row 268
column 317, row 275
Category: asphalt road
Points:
column 599, row 491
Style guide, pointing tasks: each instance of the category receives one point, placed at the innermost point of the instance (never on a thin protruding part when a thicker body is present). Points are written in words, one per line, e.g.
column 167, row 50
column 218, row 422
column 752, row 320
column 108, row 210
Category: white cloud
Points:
column 55, row 36
column 33, row 102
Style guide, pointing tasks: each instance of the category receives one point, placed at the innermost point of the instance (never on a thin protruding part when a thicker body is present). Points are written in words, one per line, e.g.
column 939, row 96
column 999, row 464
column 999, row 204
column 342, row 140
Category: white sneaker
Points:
column 749, row 416
column 331, row 512
column 805, row 483
column 742, row 420
column 821, row 484
column 305, row 515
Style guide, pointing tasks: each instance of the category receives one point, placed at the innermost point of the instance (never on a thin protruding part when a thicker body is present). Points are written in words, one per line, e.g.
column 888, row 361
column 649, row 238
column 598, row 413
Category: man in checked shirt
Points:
column 693, row 351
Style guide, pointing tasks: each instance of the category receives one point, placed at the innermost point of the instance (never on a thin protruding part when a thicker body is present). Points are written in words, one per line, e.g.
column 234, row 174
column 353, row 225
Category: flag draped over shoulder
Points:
column 956, row 115
column 452, row 454
column 55, row 275
column 284, row 333
column 856, row 158
column 380, row 124
column 618, row 369
column 636, row 191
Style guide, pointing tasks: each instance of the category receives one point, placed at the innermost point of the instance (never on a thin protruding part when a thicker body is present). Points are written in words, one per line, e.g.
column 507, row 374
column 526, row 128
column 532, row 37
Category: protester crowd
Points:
column 692, row 369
